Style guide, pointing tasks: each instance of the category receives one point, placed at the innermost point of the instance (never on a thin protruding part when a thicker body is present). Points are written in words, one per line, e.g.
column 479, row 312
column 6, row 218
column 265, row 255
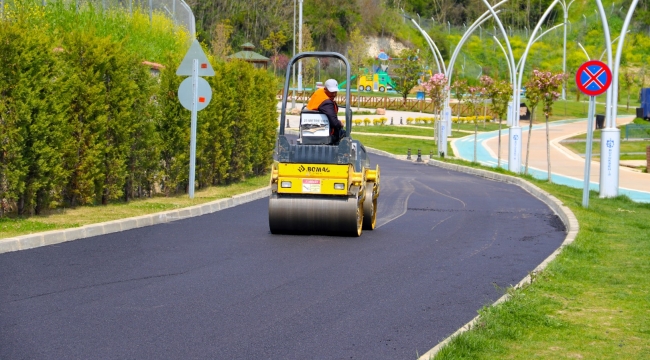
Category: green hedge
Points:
column 82, row 121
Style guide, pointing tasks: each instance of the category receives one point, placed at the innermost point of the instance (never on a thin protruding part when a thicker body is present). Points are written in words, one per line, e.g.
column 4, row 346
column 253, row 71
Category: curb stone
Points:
column 563, row 212
column 30, row 241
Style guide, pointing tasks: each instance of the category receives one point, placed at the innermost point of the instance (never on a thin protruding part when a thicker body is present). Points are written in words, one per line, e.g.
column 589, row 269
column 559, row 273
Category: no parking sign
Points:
column 593, row 78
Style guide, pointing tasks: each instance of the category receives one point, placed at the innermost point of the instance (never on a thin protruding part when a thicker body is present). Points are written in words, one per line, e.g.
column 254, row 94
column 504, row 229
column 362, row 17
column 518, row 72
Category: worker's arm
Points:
column 327, row 108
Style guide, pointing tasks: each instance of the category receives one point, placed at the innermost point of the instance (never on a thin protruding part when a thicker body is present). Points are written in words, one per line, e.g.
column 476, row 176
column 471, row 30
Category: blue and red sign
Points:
column 593, row 78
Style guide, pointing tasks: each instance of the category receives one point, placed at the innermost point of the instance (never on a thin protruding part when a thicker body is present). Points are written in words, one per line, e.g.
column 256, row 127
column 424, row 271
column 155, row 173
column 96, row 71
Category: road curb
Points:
column 563, row 212
column 31, row 241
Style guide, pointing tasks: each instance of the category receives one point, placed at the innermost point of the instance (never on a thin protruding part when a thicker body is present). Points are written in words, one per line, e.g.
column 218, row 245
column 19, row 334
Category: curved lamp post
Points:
column 585, row 51
column 506, row 56
column 440, row 63
column 610, row 153
column 537, row 38
column 603, row 53
column 607, row 179
column 565, row 7
column 514, row 148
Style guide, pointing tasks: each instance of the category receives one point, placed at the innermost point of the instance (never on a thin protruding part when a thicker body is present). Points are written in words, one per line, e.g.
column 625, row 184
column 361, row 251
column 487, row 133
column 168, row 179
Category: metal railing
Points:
column 637, row 131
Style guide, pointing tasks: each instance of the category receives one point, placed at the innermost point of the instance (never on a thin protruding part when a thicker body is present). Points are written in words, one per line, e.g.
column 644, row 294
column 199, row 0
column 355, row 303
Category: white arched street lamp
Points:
column 610, row 139
column 539, row 37
column 565, row 7
column 584, row 51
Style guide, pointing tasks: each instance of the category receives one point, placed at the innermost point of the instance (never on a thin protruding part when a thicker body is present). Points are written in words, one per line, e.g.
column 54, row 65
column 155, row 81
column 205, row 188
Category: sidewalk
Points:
column 566, row 166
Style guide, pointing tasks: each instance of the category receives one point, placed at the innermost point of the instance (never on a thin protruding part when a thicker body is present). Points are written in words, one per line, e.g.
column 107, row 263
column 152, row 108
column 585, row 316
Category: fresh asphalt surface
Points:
column 220, row 286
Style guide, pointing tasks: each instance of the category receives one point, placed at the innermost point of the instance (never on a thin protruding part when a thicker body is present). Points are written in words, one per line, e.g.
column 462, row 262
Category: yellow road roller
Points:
column 317, row 187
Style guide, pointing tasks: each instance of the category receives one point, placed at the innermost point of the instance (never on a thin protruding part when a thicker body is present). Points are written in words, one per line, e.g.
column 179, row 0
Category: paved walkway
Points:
column 566, row 166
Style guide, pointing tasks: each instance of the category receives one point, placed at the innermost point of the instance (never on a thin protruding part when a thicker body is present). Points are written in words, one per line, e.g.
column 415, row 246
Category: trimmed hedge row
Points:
column 82, row 121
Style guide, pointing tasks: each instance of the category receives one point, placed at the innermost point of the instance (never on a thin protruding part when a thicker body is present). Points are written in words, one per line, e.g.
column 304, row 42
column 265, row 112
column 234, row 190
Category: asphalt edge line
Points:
column 30, row 241
column 563, row 212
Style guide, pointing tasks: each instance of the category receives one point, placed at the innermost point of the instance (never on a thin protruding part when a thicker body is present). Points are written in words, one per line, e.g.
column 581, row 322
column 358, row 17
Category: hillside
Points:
column 329, row 24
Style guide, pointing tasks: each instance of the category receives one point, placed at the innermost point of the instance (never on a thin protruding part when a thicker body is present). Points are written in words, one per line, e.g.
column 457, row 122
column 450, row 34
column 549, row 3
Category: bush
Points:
column 366, row 122
column 409, row 120
column 88, row 124
column 356, row 122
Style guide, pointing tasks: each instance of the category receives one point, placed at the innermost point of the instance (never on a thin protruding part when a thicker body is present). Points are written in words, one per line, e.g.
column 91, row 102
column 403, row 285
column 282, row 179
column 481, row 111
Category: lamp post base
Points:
column 610, row 148
column 514, row 150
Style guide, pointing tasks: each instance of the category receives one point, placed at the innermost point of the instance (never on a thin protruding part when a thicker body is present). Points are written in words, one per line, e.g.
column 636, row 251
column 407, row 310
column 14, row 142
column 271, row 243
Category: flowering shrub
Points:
column 437, row 89
column 409, row 120
column 366, row 122
column 544, row 85
column 356, row 122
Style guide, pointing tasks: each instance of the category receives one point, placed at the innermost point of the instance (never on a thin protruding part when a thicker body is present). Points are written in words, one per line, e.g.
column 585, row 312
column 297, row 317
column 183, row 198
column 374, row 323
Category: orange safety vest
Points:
column 318, row 98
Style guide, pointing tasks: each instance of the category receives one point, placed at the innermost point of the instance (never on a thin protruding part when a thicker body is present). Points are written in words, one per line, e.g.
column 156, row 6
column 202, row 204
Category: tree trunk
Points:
column 530, row 130
column 499, row 147
column 475, row 137
column 548, row 152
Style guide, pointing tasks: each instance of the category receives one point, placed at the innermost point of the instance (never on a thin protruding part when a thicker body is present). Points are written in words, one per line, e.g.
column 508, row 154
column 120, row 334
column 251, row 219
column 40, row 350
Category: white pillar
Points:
column 300, row 44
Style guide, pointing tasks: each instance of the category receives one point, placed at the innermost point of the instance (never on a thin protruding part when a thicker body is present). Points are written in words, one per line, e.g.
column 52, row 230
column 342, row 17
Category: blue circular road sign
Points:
column 593, row 77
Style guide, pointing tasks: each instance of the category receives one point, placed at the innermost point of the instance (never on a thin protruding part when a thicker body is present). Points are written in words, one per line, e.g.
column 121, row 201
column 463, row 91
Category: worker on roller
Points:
column 323, row 100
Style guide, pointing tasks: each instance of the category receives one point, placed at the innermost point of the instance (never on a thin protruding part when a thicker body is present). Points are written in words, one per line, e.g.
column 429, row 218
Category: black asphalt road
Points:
column 220, row 286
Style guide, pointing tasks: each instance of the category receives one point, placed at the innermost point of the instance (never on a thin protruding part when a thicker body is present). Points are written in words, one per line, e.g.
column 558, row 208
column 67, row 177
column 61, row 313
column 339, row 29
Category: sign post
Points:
column 592, row 78
column 194, row 94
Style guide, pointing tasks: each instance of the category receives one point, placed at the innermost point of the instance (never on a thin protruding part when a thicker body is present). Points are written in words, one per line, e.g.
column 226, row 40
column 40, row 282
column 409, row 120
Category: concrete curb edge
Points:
column 562, row 211
column 31, row 241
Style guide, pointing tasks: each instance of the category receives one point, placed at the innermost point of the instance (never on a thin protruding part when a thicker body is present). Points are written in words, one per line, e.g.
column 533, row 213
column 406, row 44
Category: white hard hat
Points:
column 331, row 85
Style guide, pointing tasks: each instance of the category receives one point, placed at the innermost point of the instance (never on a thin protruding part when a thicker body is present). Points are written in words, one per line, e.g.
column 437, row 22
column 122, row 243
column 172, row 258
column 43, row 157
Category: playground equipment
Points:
column 317, row 187
column 379, row 81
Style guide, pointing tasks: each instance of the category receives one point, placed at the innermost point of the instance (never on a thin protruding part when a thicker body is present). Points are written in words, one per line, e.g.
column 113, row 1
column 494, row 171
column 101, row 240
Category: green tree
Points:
column 357, row 54
column 173, row 127
column 264, row 123
column 546, row 85
column 221, row 40
column 474, row 99
column 273, row 43
column 32, row 122
column 407, row 72
column 499, row 93
column 460, row 89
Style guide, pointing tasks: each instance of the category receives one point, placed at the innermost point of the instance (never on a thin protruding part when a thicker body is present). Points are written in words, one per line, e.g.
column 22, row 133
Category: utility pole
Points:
column 300, row 45
column 293, row 97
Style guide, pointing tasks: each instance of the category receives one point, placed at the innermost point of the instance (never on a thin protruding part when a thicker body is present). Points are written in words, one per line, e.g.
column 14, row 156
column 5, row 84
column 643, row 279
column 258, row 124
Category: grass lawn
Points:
column 401, row 130
column 400, row 146
column 628, row 148
column 570, row 109
column 84, row 215
column 597, row 132
column 488, row 126
column 591, row 302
